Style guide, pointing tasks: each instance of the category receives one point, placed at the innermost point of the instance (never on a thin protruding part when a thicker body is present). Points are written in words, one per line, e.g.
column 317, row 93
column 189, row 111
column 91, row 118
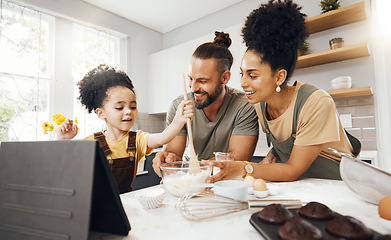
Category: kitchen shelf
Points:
column 349, row 92
column 339, row 54
column 336, row 18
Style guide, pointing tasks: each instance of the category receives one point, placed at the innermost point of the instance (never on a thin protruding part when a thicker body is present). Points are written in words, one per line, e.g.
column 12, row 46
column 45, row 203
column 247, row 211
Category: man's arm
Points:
column 172, row 152
column 242, row 147
column 177, row 146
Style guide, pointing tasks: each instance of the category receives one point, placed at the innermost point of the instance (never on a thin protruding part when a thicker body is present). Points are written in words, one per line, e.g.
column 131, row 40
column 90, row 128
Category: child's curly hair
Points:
column 94, row 85
column 276, row 30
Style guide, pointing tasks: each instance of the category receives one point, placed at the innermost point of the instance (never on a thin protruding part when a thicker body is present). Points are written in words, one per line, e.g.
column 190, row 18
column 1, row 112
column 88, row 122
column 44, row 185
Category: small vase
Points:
column 336, row 43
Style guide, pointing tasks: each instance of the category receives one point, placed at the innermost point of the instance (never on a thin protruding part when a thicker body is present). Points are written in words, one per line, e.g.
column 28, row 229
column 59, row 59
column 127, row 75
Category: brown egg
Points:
column 250, row 181
column 259, row 185
column 384, row 208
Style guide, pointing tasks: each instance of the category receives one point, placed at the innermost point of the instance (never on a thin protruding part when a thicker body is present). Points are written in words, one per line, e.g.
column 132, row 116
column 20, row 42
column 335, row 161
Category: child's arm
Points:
column 185, row 110
column 67, row 130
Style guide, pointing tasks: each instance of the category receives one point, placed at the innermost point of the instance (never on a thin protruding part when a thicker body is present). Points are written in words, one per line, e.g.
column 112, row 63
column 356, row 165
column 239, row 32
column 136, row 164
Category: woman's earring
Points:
column 278, row 89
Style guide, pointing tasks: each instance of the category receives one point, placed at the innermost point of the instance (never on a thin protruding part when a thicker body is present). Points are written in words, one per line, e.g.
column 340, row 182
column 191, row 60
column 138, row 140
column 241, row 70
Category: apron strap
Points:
column 132, row 142
column 102, row 142
column 303, row 94
column 260, row 109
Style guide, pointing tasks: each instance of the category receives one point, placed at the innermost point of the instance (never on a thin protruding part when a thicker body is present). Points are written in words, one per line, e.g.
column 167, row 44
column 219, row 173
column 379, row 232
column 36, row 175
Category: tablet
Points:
column 58, row 190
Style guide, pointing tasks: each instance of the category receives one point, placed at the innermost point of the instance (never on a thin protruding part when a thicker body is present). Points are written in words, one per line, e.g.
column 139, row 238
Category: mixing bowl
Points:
column 179, row 179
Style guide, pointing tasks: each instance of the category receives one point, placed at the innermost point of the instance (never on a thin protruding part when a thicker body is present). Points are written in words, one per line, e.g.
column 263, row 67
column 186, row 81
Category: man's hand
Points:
column 162, row 158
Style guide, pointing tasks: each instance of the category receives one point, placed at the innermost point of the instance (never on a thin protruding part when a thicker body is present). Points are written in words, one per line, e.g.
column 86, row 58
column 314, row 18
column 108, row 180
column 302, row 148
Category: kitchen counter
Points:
column 166, row 222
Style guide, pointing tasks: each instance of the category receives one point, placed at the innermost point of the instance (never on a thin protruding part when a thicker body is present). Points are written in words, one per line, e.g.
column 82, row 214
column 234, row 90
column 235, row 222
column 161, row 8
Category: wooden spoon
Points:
column 193, row 163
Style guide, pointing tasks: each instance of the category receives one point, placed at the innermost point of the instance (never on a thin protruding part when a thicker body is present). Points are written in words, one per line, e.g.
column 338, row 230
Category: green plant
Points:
column 329, row 5
column 304, row 49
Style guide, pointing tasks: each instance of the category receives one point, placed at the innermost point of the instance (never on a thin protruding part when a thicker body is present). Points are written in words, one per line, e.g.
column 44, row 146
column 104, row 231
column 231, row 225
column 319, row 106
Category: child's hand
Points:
column 67, row 130
column 185, row 110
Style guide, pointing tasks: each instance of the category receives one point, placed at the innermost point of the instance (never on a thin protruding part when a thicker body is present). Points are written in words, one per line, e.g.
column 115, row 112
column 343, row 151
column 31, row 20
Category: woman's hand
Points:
column 228, row 169
column 271, row 157
column 67, row 130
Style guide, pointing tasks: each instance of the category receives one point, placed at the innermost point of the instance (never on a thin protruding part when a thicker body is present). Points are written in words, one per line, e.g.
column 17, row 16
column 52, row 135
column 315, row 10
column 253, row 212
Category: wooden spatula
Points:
column 193, row 163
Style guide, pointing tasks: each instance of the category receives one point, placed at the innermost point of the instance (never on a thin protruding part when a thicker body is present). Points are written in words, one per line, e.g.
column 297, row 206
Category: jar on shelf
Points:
column 336, row 43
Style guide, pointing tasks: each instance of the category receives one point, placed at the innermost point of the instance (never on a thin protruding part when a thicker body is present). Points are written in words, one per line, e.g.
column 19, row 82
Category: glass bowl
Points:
column 179, row 178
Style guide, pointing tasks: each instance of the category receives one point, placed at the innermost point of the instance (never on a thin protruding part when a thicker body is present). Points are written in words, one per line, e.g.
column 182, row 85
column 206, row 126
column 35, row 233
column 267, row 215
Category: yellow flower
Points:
column 51, row 128
column 46, row 126
column 58, row 119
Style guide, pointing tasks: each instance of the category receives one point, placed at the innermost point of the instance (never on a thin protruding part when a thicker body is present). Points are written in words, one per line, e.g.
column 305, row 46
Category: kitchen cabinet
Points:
column 165, row 69
column 147, row 179
column 157, row 83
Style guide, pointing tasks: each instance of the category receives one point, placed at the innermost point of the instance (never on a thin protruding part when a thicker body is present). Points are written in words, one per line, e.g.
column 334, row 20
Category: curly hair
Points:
column 94, row 85
column 218, row 49
column 276, row 30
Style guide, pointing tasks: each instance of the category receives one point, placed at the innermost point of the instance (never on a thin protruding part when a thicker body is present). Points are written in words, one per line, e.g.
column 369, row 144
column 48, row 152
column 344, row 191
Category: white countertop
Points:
column 166, row 222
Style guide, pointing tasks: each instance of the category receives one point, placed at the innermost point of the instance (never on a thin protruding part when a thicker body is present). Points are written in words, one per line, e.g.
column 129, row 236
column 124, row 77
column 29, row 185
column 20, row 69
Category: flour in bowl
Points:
column 179, row 183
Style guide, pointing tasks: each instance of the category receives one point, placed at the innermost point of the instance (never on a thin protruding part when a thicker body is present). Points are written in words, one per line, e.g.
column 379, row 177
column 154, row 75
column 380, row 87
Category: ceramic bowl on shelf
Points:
column 341, row 82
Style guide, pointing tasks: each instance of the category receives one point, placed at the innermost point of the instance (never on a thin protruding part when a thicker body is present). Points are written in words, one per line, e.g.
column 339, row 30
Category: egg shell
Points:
column 384, row 208
column 260, row 185
column 250, row 181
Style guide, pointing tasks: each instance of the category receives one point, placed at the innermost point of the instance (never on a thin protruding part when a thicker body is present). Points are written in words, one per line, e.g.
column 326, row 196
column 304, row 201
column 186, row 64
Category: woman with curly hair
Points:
column 110, row 94
column 301, row 120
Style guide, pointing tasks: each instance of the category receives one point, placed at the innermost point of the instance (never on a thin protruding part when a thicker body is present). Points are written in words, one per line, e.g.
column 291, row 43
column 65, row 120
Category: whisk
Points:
column 205, row 205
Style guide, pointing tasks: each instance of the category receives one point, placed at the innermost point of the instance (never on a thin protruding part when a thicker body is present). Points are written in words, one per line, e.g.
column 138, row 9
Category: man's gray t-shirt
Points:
column 235, row 117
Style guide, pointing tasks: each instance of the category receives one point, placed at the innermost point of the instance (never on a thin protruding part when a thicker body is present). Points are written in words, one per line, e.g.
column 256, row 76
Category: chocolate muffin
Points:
column 275, row 213
column 348, row 227
column 299, row 229
column 316, row 210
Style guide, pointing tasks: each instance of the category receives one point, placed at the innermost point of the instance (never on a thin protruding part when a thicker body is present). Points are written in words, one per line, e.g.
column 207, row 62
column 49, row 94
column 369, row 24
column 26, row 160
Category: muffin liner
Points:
column 151, row 198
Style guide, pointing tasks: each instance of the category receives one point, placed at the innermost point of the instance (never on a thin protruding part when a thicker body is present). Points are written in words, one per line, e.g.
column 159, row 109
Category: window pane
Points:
column 26, row 37
column 24, row 41
column 23, row 108
column 91, row 47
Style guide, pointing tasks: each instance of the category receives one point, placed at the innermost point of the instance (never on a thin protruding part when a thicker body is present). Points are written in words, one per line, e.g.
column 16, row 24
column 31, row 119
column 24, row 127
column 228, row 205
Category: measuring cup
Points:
column 221, row 156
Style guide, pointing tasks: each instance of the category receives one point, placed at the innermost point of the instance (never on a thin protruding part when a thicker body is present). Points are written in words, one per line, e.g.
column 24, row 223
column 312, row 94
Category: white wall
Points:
column 142, row 41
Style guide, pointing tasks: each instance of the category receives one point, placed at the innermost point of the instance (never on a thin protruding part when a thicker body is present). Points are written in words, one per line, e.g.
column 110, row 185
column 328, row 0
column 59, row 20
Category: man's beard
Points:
column 210, row 98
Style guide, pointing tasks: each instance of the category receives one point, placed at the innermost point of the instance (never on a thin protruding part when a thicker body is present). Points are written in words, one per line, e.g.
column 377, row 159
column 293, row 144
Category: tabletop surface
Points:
column 166, row 222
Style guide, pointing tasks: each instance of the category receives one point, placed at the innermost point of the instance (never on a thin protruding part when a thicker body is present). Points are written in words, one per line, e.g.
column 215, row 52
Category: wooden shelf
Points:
column 339, row 54
column 349, row 92
column 336, row 18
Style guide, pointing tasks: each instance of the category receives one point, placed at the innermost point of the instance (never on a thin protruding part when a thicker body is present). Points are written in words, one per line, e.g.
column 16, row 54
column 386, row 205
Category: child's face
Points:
column 119, row 109
column 257, row 78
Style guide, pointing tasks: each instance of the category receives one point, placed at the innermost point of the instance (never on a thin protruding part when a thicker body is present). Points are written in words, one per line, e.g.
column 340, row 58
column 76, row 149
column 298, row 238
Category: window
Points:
column 32, row 87
column 91, row 47
column 26, row 39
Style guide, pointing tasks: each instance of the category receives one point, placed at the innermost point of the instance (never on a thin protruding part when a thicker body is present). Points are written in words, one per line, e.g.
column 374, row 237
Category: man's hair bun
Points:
column 222, row 39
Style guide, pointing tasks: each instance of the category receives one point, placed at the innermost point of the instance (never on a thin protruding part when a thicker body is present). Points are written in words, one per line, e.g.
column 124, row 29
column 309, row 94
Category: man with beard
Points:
column 224, row 120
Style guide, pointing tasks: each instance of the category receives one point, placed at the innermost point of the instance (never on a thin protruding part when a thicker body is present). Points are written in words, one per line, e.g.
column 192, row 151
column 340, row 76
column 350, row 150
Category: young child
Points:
column 110, row 93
